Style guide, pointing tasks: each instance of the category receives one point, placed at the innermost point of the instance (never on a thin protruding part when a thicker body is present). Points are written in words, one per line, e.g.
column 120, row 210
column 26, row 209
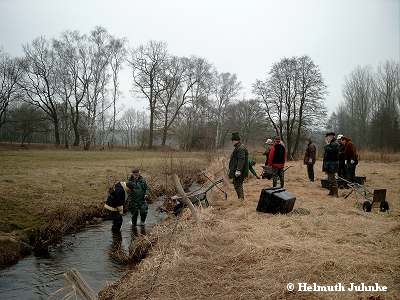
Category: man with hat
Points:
column 137, row 199
column 238, row 165
column 117, row 196
column 276, row 160
column 331, row 162
column 268, row 145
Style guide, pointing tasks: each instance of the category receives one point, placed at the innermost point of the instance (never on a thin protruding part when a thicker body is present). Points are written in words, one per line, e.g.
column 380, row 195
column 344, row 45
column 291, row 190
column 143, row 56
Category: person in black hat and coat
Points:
column 238, row 165
column 331, row 162
column 117, row 196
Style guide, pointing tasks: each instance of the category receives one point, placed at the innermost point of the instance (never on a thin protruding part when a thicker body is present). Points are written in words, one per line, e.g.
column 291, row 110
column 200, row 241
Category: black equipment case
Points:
column 276, row 200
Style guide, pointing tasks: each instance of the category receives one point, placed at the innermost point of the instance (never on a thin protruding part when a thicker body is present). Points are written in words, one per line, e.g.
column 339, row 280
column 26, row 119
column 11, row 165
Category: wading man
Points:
column 117, row 195
column 137, row 199
column 276, row 160
column 330, row 163
column 238, row 165
column 309, row 159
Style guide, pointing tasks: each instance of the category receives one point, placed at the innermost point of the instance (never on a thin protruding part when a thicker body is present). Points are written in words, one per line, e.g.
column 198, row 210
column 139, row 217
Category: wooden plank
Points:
column 81, row 286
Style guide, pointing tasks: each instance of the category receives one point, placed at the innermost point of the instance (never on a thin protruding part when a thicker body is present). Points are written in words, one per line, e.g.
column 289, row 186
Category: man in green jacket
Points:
column 238, row 165
column 137, row 199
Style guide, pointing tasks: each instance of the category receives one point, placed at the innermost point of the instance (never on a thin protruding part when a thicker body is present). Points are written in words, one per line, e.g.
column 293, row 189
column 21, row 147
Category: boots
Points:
column 335, row 192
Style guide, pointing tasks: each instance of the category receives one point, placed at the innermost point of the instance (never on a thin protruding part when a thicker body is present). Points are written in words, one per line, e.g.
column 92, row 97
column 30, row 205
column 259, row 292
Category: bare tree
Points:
column 293, row 96
column 358, row 93
column 11, row 74
column 41, row 80
column 74, row 73
column 118, row 56
column 147, row 62
column 248, row 117
column 226, row 88
column 99, row 54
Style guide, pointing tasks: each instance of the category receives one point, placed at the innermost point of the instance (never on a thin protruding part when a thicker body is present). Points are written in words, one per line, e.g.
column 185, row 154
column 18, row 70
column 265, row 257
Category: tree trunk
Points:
column 151, row 128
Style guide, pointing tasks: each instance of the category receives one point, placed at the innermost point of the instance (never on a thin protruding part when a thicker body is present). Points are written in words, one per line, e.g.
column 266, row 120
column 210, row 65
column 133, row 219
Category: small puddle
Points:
column 87, row 251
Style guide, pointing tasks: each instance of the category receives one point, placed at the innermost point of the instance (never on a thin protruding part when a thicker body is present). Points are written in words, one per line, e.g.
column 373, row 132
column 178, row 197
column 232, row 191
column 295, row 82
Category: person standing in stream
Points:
column 137, row 199
column 117, row 196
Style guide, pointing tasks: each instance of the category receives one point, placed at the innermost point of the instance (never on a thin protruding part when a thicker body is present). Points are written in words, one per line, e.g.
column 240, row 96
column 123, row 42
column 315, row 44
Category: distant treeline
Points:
column 66, row 91
column 369, row 113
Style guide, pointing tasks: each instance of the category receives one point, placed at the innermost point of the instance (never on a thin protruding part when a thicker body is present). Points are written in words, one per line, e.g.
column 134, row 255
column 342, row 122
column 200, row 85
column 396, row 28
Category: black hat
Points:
column 329, row 134
column 235, row 136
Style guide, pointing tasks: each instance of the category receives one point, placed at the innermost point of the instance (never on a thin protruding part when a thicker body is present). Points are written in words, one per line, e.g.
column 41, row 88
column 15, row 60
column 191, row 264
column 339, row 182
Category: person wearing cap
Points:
column 137, row 199
column 309, row 158
column 238, row 165
column 117, row 196
column 268, row 144
column 330, row 163
column 341, row 169
column 276, row 160
column 350, row 158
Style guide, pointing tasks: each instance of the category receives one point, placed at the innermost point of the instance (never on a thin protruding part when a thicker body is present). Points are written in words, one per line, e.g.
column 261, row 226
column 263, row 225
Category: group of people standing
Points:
column 134, row 194
column 240, row 162
column 340, row 157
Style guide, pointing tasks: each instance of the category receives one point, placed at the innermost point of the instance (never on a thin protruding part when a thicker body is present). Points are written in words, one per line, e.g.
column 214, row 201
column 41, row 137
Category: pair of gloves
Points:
column 351, row 162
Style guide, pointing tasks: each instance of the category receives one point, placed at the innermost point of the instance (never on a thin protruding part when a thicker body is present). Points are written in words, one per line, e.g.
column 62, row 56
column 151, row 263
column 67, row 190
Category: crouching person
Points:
column 117, row 195
column 137, row 199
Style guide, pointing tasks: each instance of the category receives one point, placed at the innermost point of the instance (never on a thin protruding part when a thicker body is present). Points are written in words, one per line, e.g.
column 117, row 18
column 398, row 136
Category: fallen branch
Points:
column 185, row 198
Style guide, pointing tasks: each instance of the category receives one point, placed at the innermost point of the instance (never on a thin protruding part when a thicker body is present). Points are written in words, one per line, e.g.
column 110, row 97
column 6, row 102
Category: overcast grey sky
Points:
column 242, row 37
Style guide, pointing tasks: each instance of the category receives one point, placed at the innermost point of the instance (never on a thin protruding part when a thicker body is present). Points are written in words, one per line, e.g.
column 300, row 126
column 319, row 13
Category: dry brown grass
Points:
column 46, row 193
column 237, row 253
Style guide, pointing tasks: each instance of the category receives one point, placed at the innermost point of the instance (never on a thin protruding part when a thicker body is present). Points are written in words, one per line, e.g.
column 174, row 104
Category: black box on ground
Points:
column 275, row 200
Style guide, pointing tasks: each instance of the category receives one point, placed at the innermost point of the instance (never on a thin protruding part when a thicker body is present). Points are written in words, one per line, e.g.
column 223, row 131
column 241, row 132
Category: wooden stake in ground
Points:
column 185, row 198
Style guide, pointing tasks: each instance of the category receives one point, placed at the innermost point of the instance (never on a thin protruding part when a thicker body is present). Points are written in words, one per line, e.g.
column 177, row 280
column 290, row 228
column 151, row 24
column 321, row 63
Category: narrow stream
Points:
column 87, row 251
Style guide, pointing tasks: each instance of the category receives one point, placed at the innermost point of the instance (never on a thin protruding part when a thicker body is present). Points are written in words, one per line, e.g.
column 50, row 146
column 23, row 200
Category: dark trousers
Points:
column 350, row 172
column 117, row 221
column 332, row 181
column 310, row 171
column 278, row 173
column 342, row 169
column 238, row 185
column 138, row 207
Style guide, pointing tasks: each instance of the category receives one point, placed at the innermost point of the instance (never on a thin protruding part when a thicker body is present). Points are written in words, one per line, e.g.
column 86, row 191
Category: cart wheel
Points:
column 367, row 206
column 384, row 206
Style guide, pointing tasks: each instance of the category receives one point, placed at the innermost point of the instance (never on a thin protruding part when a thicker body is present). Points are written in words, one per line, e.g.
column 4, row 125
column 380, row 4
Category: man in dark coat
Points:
column 309, row 159
column 117, row 196
column 137, row 199
column 276, row 160
column 238, row 165
column 341, row 170
column 331, row 162
column 350, row 158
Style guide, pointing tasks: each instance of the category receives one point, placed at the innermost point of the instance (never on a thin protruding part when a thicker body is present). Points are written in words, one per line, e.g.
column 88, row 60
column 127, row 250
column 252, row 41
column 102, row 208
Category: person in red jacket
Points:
column 276, row 160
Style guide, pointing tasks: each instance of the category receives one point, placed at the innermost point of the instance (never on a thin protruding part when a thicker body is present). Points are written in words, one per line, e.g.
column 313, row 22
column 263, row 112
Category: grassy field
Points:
column 237, row 253
column 45, row 193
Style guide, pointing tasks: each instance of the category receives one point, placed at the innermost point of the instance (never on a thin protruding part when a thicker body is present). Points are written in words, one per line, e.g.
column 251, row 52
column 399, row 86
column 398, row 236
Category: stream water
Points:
column 87, row 251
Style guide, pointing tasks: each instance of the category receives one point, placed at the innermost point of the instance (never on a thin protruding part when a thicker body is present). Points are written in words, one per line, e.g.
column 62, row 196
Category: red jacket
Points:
column 277, row 156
